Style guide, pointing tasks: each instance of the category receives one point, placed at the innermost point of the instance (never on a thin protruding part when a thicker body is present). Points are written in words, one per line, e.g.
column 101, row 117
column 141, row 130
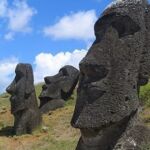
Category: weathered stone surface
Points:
column 24, row 105
column 58, row 88
column 117, row 64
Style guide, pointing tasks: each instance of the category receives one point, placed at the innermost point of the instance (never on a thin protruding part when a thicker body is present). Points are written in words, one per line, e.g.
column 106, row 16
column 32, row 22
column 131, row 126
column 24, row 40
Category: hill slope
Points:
column 56, row 132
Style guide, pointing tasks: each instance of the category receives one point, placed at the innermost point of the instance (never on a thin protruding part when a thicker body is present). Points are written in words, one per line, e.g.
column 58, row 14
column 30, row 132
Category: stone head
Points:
column 21, row 87
column 60, row 85
column 112, row 70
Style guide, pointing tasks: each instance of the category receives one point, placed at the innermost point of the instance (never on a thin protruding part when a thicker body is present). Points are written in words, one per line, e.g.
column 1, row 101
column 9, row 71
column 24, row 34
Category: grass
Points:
column 145, row 100
column 56, row 132
column 145, row 95
column 38, row 89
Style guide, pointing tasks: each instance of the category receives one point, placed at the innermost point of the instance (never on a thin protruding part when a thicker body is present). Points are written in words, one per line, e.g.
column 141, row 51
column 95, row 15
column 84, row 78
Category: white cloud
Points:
column 20, row 16
column 17, row 16
column 74, row 26
column 7, row 68
column 47, row 64
column 9, row 36
column 3, row 7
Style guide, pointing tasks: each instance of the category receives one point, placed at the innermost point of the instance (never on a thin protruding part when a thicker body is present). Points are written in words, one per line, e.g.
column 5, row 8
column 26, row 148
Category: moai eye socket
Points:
column 93, row 72
column 64, row 72
column 19, row 75
column 123, row 24
column 44, row 87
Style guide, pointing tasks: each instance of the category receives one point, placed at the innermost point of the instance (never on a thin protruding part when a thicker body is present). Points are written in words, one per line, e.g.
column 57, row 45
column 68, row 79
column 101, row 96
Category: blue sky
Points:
column 26, row 45
column 46, row 33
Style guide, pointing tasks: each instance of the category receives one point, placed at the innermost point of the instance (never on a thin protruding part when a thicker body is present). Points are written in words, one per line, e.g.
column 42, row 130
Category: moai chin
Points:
column 58, row 88
column 113, row 70
column 23, row 100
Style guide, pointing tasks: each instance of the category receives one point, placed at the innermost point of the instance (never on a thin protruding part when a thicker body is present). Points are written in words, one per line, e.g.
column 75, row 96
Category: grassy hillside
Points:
column 145, row 95
column 56, row 132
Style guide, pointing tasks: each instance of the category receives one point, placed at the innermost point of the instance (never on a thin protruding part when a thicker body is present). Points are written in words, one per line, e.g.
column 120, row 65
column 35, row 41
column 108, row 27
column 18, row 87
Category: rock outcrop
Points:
column 23, row 100
column 117, row 64
column 58, row 88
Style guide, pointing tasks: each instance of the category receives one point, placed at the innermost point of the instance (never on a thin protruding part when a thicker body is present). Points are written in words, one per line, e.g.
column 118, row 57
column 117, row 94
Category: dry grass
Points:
column 55, row 133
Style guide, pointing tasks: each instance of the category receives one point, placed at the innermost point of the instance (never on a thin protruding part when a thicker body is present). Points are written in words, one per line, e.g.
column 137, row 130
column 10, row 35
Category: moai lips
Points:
column 116, row 65
column 24, row 105
column 58, row 88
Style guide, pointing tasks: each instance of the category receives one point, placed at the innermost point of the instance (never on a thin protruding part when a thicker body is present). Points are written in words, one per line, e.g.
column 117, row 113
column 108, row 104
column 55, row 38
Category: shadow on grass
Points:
column 7, row 131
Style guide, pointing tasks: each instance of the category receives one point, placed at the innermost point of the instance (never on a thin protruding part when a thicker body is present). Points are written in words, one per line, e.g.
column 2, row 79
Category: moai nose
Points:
column 47, row 81
column 8, row 89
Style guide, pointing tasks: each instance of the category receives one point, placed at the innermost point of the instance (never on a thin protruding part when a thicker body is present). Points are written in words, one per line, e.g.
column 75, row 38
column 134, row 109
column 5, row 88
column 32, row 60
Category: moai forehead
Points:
column 25, row 70
column 21, row 87
column 108, row 86
column 65, row 72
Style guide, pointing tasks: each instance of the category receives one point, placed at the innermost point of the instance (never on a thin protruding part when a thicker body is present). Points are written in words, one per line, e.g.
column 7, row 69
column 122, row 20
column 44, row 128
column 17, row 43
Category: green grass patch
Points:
column 145, row 95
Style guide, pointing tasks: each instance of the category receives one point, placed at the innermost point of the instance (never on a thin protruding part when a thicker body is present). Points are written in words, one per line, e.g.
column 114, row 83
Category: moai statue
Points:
column 117, row 64
column 58, row 88
column 23, row 100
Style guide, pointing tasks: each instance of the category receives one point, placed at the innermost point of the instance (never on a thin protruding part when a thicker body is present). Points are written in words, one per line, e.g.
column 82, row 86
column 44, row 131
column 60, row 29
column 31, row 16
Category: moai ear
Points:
column 29, row 80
